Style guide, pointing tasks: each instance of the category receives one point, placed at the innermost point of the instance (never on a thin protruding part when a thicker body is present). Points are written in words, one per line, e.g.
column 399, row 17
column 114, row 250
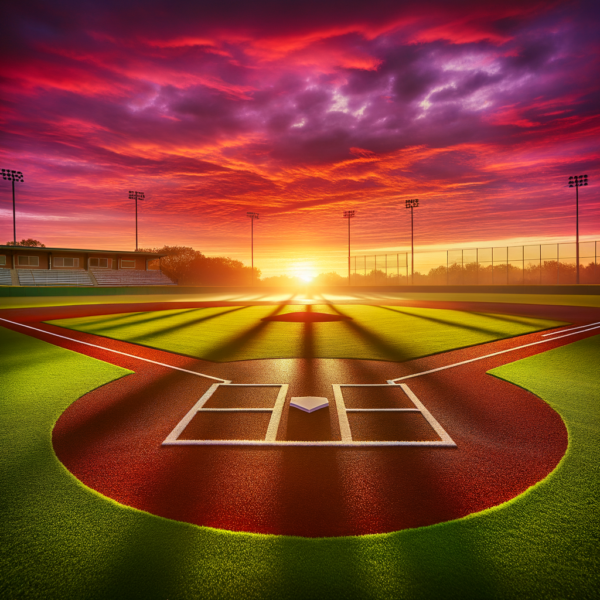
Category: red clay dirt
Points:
column 111, row 438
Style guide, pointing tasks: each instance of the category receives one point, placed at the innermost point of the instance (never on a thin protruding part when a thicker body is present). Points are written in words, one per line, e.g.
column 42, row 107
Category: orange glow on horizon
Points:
column 480, row 112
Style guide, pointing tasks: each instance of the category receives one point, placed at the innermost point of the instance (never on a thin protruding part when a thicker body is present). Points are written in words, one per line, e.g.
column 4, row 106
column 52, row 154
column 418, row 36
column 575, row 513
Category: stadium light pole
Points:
column 577, row 181
column 252, row 215
column 349, row 214
column 136, row 196
column 412, row 204
column 13, row 176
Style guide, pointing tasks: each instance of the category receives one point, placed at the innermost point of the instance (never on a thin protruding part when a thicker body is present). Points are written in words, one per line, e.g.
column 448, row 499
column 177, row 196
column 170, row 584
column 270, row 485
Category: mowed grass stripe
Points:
column 63, row 540
column 375, row 332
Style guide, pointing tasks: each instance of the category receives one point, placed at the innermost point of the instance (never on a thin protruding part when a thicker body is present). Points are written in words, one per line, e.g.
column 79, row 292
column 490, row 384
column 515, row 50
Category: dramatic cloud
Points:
column 299, row 111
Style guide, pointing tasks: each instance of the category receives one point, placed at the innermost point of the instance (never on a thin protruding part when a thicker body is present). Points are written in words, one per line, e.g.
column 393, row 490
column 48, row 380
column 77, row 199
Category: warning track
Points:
column 507, row 439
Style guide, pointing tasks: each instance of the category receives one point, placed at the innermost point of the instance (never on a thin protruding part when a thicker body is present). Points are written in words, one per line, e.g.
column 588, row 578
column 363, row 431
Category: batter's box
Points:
column 249, row 420
column 383, row 426
column 242, row 397
column 210, row 425
column 387, row 415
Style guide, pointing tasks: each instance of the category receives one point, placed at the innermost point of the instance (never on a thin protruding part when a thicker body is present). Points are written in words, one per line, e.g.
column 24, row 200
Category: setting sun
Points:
column 304, row 271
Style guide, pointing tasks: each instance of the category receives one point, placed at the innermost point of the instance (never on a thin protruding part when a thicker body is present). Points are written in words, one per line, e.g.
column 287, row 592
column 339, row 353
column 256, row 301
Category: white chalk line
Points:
column 322, row 444
column 570, row 329
column 154, row 362
column 464, row 362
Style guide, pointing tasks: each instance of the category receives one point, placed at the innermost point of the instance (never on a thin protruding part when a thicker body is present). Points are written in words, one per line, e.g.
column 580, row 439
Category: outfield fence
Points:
column 542, row 264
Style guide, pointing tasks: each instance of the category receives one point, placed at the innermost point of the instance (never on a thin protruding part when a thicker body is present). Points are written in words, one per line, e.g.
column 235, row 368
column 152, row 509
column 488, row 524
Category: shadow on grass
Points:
column 521, row 320
column 149, row 339
column 193, row 322
column 388, row 351
column 109, row 323
column 224, row 351
column 446, row 322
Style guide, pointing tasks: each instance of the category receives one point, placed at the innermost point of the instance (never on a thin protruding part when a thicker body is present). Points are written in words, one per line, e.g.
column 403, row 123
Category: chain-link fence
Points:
column 505, row 265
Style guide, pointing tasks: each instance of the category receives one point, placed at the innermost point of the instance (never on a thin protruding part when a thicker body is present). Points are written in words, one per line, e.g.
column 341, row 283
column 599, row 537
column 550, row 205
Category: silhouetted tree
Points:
column 190, row 267
column 327, row 279
column 30, row 243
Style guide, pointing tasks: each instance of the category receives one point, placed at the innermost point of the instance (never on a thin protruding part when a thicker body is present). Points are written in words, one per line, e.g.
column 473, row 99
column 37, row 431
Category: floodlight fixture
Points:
column 252, row 215
column 414, row 203
column 13, row 176
column 136, row 196
column 577, row 181
column 10, row 175
column 349, row 214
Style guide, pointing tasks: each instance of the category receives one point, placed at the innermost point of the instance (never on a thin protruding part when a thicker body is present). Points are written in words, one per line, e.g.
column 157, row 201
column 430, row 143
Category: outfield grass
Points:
column 375, row 332
column 591, row 300
column 63, row 540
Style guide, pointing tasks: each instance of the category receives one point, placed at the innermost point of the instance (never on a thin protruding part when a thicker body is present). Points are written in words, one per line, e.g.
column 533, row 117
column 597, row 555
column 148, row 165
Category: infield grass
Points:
column 224, row 334
column 60, row 539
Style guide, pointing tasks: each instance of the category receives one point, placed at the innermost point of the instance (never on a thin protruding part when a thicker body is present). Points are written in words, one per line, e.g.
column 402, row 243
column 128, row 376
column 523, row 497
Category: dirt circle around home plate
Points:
column 111, row 440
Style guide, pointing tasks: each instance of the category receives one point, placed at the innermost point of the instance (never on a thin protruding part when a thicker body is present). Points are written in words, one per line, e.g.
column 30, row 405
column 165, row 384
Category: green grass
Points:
column 375, row 332
column 592, row 300
column 61, row 540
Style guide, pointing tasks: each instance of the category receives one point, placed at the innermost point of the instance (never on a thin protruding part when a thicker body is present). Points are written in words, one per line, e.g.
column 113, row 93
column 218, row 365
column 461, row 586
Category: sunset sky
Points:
column 299, row 111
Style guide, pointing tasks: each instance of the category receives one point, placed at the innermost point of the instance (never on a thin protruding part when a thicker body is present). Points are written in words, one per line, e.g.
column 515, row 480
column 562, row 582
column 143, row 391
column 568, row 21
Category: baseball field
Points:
column 152, row 447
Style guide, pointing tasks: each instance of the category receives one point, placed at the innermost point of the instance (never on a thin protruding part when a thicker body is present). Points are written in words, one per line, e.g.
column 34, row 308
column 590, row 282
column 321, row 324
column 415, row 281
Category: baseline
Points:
column 570, row 329
column 464, row 362
column 154, row 362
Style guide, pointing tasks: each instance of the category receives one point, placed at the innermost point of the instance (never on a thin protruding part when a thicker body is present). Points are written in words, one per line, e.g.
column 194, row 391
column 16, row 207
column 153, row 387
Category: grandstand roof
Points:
column 85, row 250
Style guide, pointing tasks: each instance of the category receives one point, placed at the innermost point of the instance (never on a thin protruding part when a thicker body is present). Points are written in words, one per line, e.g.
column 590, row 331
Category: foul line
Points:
column 154, row 362
column 464, row 362
column 571, row 329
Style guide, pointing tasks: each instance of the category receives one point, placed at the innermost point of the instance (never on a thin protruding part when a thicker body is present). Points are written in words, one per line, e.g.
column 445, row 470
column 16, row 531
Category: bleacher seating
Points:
column 37, row 277
column 126, row 277
column 81, row 277
column 5, row 278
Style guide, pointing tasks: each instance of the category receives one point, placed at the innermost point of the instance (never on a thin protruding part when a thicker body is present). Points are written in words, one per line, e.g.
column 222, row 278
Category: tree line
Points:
column 187, row 266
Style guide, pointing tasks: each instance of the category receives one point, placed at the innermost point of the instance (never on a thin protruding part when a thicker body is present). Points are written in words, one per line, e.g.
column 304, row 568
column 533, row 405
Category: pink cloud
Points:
column 300, row 113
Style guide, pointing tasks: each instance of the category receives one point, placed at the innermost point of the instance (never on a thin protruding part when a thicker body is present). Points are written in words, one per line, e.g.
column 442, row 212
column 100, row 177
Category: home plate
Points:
column 309, row 403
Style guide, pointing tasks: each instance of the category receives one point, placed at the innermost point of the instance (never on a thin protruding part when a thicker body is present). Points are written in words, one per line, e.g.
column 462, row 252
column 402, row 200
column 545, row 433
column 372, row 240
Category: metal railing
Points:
column 540, row 264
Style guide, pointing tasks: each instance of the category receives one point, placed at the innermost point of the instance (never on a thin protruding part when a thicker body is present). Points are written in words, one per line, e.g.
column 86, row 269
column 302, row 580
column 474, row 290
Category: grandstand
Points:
column 32, row 277
column 5, row 277
column 33, row 266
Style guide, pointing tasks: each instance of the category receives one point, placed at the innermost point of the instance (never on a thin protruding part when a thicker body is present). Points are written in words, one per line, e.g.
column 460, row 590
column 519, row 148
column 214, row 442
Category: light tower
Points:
column 136, row 196
column 577, row 181
column 412, row 204
column 13, row 176
column 252, row 215
column 349, row 214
